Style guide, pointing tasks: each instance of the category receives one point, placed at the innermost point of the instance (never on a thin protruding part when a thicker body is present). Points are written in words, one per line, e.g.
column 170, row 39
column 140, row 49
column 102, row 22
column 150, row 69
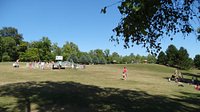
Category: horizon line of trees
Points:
column 12, row 47
column 178, row 58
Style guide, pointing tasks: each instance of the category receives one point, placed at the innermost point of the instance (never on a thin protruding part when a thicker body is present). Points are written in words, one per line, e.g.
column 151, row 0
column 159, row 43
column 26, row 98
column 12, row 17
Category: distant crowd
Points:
column 50, row 65
column 39, row 65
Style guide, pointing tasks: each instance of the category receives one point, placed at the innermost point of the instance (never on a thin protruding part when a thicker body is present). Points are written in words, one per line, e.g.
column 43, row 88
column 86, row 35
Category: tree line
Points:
column 13, row 47
column 178, row 58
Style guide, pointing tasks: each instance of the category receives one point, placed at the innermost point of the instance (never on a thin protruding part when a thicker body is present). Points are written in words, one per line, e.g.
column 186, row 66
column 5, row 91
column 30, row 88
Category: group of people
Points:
column 177, row 76
column 40, row 65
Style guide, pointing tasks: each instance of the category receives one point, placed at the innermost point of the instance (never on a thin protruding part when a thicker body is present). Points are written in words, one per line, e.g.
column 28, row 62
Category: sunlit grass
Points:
column 148, row 78
column 142, row 77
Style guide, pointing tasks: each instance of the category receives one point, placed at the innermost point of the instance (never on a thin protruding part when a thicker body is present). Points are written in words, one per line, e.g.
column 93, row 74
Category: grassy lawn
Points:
column 98, row 88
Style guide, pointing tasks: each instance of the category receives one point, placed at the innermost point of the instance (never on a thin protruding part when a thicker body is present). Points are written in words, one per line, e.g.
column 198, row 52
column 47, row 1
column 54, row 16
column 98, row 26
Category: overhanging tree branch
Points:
column 145, row 22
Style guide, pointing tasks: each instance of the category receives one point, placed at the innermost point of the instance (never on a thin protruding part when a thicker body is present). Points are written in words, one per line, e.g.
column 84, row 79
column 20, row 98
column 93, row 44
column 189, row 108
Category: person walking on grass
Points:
column 124, row 73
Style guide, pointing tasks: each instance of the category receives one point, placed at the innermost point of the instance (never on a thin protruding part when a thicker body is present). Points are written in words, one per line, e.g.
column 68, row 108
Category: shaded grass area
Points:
column 68, row 96
column 188, row 78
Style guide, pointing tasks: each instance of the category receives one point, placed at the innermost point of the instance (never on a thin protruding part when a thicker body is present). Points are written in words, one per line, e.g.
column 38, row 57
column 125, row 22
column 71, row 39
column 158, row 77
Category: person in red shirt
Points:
column 124, row 74
column 197, row 87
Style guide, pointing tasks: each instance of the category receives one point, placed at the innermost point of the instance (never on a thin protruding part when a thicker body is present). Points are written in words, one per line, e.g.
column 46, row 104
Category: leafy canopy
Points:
column 145, row 22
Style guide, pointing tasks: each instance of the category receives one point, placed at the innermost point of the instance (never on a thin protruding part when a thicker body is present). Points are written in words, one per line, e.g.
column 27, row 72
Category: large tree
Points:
column 69, row 48
column 95, row 60
column 31, row 54
column 138, row 59
column 126, row 59
column 1, row 49
column 171, row 54
column 107, row 54
column 151, row 58
column 38, row 46
column 132, row 56
column 99, row 53
column 11, row 32
column 176, row 58
column 197, row 61
column 145, row 22
column 162, row 59
column 44, row 48
column 115, row 58
column 23, row 46
column 56, row 50
column 10, row 48
column 183, row 60
column 10, row 43
column 73, row 58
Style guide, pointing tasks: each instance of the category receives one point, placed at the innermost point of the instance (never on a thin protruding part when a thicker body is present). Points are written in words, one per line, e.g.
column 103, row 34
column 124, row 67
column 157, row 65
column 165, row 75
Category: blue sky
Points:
column 78, row 21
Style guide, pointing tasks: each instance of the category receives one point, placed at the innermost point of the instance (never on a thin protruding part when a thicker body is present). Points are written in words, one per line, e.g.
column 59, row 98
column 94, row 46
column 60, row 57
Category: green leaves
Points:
column 147, row 21
column 175, row 58
column 162, row 59
column 103, row 10
column 70, row 48
column 10, row 41
column 44, row 49
column 30, row 55
column 198, row 33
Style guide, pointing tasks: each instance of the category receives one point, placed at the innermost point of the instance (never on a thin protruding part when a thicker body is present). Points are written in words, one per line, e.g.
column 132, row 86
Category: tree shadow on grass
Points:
column 192, row 75
column 76, row 97
column 3, row 109
column 189, row 78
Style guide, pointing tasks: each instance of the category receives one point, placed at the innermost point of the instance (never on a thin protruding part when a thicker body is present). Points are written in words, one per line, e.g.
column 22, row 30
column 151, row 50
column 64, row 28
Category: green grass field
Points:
column 98, row 88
